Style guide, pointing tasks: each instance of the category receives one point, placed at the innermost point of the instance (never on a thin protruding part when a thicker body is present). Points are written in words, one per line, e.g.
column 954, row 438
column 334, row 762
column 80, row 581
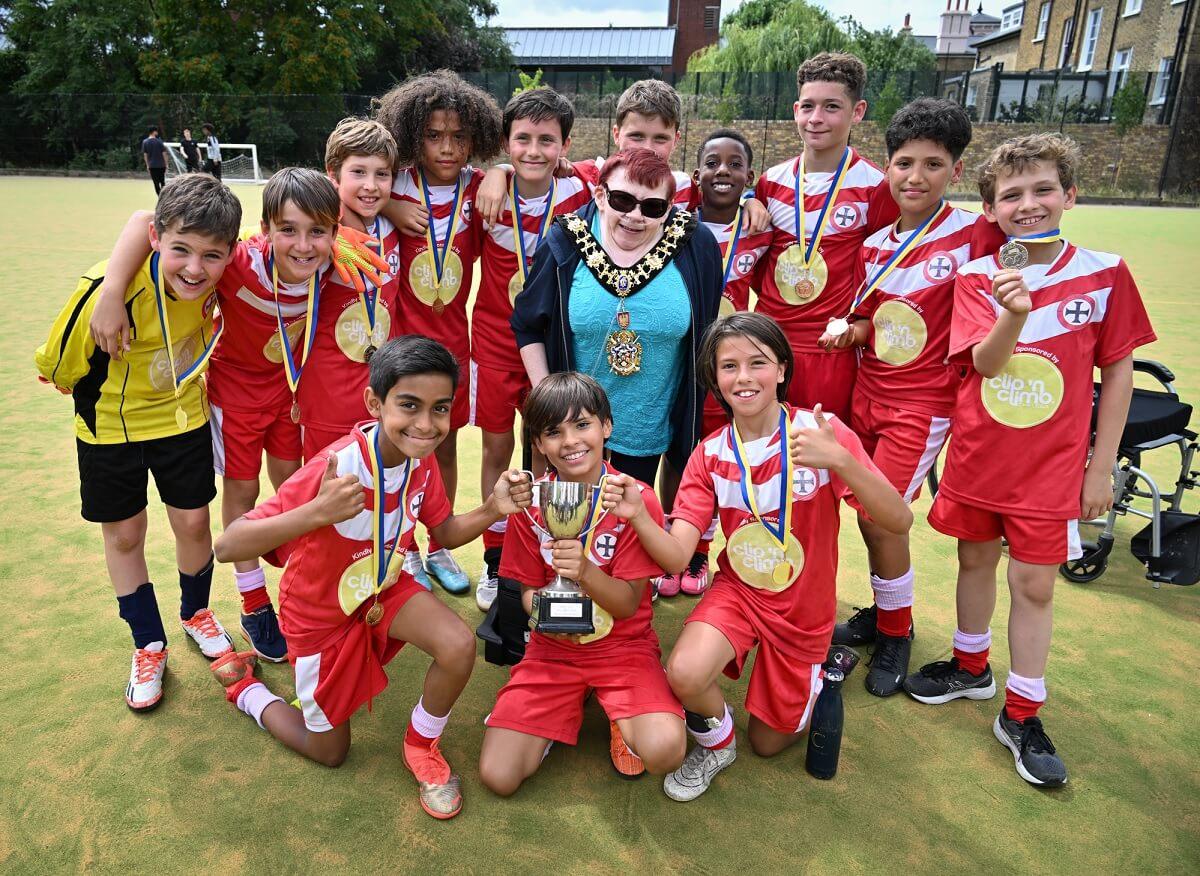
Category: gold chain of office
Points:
column 623, row 282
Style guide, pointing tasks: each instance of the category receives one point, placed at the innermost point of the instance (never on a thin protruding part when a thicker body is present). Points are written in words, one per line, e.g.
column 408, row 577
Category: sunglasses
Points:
column 623, row 202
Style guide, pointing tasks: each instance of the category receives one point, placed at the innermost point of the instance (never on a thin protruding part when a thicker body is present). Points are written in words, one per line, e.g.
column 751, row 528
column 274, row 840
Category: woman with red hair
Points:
column 623, row 290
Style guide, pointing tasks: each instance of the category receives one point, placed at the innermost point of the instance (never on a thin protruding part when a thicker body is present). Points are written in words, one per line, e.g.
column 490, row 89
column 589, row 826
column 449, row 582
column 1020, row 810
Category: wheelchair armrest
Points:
column 1157, row 370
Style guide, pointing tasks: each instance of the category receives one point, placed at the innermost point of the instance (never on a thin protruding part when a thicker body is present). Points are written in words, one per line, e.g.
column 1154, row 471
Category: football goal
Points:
column 239, row 162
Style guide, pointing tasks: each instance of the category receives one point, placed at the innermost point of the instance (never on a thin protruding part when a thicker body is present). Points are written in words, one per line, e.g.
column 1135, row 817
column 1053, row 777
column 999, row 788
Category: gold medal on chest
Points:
column 515, row 284
column 761, row 562
column 374, row 614
column 799, row 283
column 295, row 412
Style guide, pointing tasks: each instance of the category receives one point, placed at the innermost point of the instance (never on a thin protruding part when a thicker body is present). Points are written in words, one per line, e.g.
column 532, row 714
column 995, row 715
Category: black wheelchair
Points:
column 1169, row 546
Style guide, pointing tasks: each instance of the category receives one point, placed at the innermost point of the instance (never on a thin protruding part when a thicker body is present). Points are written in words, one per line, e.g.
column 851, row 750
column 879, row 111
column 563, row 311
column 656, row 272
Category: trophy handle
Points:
column 534, row 484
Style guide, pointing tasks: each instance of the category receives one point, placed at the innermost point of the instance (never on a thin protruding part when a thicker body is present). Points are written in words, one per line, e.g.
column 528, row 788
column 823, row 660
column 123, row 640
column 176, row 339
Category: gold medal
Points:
column 181, row 418
column 439, row 306
column 725, row 308
column 295, row 412
column 515, row 284
column 761, row 562
column 799, row 283
column 368, row 352
column 374, row 614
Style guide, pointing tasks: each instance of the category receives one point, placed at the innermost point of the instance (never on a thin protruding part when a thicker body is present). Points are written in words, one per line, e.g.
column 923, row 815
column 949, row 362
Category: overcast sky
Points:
column 653, row 13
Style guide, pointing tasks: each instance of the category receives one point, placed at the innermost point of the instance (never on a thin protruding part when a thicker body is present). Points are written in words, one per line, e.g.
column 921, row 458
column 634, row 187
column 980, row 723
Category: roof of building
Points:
column 981, row 17
column 585, row 46
column 994, row 37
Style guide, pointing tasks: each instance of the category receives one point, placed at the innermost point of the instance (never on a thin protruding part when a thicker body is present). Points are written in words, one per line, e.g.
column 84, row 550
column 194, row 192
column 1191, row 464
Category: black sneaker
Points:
column 944, row 681
column 261, row 629
column 889, row 665
column 858, row 630
column 1037, row 761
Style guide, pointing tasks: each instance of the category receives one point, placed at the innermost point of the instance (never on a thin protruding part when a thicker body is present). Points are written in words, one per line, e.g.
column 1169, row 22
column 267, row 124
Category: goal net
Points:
column 239, row 162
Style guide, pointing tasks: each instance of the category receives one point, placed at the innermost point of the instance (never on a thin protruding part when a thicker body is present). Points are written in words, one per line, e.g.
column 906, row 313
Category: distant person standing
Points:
column 212, row 162
column 154, row 151
column 191, row 154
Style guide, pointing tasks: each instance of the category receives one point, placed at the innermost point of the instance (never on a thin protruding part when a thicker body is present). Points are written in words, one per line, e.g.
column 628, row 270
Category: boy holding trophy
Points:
column 617, row 653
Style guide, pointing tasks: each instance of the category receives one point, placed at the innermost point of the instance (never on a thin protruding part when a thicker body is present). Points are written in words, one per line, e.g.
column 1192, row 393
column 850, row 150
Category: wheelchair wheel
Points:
column 1088, row 567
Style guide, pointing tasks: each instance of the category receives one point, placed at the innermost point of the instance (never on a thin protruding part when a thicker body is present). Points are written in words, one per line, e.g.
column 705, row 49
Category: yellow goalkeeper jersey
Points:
column 133, row 399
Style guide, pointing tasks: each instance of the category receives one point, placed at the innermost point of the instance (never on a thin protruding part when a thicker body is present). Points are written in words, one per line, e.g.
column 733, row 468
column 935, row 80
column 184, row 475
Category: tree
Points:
column 888, row 50
column 1128, row 109
column 886, row 103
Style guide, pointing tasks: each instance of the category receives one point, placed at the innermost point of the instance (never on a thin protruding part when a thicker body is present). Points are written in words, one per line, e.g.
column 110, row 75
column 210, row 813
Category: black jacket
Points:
column 540, row 316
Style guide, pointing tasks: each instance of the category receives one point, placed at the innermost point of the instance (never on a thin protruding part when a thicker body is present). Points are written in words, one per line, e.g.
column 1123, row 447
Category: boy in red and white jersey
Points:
column 776, row 477
column 724, row 170
column 1030, row 325
column 342, row 525
column 266, row 295
column 439, row 121
column 537, row 131
column 809, row 277
column 569, row 417
column 906, row 389
column 357, row 313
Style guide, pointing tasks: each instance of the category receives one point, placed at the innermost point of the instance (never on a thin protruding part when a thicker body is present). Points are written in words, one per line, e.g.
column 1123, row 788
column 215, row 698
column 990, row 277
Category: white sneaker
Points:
column 697, row 771
column 486, row 590
column 146, row 677
column 207, row 632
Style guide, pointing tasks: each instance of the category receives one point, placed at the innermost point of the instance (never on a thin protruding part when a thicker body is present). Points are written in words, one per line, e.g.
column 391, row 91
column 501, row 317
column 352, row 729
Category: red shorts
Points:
column 782, row 690
column 496, row 396
column 239, row 438
column 334, row 683
column 317, row 439
column 826, row 379
column 460, row 411
column 903, row 444
column 1034, row 540
column 544, row 697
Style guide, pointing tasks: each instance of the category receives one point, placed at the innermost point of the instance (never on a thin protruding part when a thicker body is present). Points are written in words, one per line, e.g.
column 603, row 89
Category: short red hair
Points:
column 643, row 167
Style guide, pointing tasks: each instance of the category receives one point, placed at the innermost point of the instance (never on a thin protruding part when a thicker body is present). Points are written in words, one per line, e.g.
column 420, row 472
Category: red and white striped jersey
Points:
column 687, row 195
column 864, row 205
column 331, row 388
column 744, row 272
column 246, row 370
column 1021, row 437
column 417, row 273
column 492, row 341
column 904, row 362
column 802, row 614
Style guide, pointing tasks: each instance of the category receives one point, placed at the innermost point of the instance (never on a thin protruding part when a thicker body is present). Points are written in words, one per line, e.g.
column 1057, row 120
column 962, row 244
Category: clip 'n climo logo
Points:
column 1026, row 393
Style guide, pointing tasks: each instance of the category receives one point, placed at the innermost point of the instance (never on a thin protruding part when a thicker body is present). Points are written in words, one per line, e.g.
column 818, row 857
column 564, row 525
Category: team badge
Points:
column 415, row 503
column 939, row 267
column 605, row 546
column 1026, row 393
column 805, row 483
column 1075, row 313
column 846, row 216
column 744, row 263
column 393, row 260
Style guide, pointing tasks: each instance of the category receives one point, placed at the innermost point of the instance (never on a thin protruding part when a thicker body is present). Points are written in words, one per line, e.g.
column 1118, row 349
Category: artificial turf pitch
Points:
column 196, row 786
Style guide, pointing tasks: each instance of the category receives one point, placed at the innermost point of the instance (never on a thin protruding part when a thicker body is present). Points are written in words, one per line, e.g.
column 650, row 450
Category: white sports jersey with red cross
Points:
column 686, row 194
column 246, row 371
column 904, row 361
column 864, row 205
column 744, row 271
column 331, row 390
column 614, row 550
column 330, row 571
column 418, row 276
column 1021, row 438
column 802, row 614
column 492, row 341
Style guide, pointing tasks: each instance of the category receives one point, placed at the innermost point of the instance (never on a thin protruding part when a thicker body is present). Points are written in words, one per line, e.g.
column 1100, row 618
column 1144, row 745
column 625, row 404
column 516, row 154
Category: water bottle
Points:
column 825, row 728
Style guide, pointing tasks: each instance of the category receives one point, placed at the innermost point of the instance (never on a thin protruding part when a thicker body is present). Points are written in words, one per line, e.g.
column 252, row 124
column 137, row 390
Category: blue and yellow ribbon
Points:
column 379, row 517
column 290, row 369
column 870, row 284
column 835, row 186
column 786, row 473
column 518, row 230
column 179, row 380
column 439, row 253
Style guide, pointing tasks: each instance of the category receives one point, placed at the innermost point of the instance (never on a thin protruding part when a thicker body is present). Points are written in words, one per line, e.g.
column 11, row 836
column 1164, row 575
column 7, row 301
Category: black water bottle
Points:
column 825, row 728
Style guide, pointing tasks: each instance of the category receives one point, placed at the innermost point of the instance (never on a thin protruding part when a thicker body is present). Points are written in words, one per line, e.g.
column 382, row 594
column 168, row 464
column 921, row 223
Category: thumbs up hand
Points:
column 339, row 498
column 817, row 447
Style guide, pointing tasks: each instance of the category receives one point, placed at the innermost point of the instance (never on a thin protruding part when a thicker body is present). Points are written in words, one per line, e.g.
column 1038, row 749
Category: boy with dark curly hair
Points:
column 440, row 122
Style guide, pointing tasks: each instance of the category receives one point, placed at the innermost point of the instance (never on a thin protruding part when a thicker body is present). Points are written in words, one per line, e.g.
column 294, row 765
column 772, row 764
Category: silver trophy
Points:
column 561, row 606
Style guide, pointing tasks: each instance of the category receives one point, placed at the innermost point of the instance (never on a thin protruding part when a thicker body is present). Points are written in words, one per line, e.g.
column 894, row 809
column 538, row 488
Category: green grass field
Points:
column 195, row 786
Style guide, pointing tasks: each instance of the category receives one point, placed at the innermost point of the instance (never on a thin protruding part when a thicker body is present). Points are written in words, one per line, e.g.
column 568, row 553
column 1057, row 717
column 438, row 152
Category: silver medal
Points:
column 1013, row 256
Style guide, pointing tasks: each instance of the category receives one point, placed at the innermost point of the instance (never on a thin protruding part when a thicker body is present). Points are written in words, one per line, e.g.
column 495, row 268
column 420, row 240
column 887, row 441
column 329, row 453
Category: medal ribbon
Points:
column 290, row 369
column 379, row 518
column 835, row 186
column 746, row 481
column 439, row 253
column 370, row 294
column 179, row 380
column 731, row 251
column 1052, row 236
column 910, row 243
column 518, row 230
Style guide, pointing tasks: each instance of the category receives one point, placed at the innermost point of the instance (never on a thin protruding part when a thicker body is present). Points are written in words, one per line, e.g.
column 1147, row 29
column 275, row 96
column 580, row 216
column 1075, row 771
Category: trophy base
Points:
column 569, row 615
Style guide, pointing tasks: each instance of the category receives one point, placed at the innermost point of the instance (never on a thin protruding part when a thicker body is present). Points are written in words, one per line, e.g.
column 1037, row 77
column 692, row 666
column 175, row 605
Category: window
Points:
column 712, row 17
column 1012, row 17
column 1065, row 46
column 1163, row 80
column 1091, row 36
column 1132, row 7
column 972, row 95
column 1043, row 22
column 1120, row 69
